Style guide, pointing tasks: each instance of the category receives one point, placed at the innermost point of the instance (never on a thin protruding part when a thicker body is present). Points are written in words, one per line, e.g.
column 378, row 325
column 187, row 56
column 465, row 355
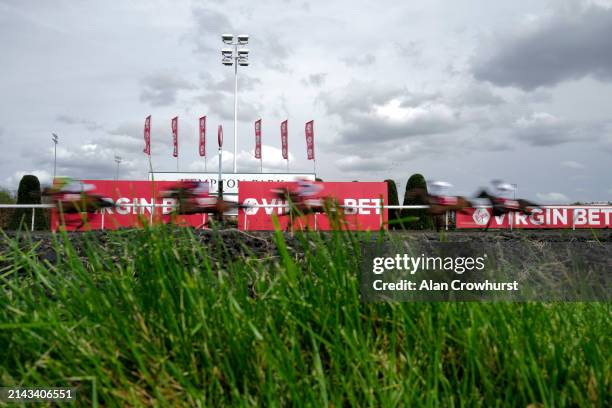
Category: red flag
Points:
column 220, row 136
column 284, row 141
column 203, row 136
column 258, row 139
column 175, row 135
column 310, row 140
column 147, row 135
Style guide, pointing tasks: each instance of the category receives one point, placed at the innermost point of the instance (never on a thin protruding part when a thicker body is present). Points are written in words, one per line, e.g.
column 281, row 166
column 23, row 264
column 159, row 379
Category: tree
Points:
column 392, row 200
column 6, row 197
column 419, row 219
column 28, row 193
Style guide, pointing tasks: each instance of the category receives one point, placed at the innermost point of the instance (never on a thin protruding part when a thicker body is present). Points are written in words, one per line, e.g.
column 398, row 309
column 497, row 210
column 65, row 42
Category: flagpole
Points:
column 205, row 166
column 314, row 166
column 260, row 164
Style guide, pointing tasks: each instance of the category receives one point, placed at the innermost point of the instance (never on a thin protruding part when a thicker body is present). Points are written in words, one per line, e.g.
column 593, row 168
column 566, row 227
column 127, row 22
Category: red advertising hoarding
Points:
column 348, row 194
column 125, row 194
column 546, row 217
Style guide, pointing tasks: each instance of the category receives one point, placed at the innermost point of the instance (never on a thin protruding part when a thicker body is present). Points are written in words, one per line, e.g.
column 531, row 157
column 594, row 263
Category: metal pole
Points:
column 54, row 158
column 152, row 210
column 235, row 104
column 117, row 173
column 219, row 179
column 314, row 166
column 446, row 219
column 33, row 209
column 205, row 166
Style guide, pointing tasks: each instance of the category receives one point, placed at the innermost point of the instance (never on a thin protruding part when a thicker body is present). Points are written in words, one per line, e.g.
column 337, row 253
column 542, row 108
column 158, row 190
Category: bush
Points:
column 28, row 193
column 418, row 219
column 392, row 200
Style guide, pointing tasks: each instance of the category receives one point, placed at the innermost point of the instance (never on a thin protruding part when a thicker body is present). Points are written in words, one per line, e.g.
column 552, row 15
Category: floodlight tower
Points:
column 234, row 56
column 118, row 161
column 55, row 139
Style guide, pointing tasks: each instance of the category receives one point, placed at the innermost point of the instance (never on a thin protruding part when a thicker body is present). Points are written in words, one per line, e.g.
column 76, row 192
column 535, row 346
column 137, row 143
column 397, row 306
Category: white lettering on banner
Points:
column 580, row 216
column 363, row 201
column 607, row 212
column 230, row 180
column 545, row 217
column 264, row 201
column 168, row 205
column 122, row 210
column 536, row 217
column 559, row 215
column 350, row 205
column 593, row 216
column 520, row 218
column 146, row 205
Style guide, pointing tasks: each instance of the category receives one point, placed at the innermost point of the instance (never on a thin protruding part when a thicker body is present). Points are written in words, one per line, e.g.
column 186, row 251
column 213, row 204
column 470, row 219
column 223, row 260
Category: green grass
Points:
column 161, row 320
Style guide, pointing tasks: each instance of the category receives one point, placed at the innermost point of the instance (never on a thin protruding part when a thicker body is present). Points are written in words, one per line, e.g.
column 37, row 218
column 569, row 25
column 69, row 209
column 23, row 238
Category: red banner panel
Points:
column 309, row 130
column 202, row 149
column 349, row 194
column 126, row 216
column 175, row 136
column 284, row 140
column 147, row 135
column 548, row 217
column 258, row 139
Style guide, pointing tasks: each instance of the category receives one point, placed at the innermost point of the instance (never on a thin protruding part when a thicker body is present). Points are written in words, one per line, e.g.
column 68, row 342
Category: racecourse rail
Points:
column 379, row 207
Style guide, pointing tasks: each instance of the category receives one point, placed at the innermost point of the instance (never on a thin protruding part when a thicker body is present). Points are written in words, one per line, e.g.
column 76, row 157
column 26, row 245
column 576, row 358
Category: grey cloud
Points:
column 272, row 52
column 161, row 89
column 572, row 164
column 544, row 129
column 315, row 79
column 210, row 24
column 88, row 124
column 245, row 83
column 411, row 49
column 360, row 61
column 361, row 164
column 85, row 161
column 565, row 46
column 222, row 105
column 369, row 112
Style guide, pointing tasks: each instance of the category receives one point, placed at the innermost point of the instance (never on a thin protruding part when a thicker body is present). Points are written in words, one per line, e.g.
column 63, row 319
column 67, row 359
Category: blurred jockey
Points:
column 437, row 195
column 499, row 200
column 306, row 189
column 66, row 189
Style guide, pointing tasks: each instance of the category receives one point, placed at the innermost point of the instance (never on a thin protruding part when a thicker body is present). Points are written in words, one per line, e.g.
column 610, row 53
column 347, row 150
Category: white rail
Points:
column 379, row 207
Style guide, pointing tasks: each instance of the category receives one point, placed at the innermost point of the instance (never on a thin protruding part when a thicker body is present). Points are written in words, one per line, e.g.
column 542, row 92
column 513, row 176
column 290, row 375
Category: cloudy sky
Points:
column 462, row 91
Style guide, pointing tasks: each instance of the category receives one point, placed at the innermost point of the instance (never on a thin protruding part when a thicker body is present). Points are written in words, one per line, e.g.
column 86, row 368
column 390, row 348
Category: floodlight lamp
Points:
column 226, row 52
column 227, row 38
column 243, row 62
column 243, row 53
column 243, row 39
column 227, row 61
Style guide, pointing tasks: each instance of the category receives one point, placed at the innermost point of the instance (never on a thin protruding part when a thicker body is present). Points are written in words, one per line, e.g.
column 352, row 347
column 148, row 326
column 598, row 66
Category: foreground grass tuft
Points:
column 154, row 317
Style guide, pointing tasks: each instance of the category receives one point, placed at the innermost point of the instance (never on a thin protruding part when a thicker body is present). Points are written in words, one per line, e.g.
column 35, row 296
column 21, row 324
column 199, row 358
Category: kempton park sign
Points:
column 230, row 180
